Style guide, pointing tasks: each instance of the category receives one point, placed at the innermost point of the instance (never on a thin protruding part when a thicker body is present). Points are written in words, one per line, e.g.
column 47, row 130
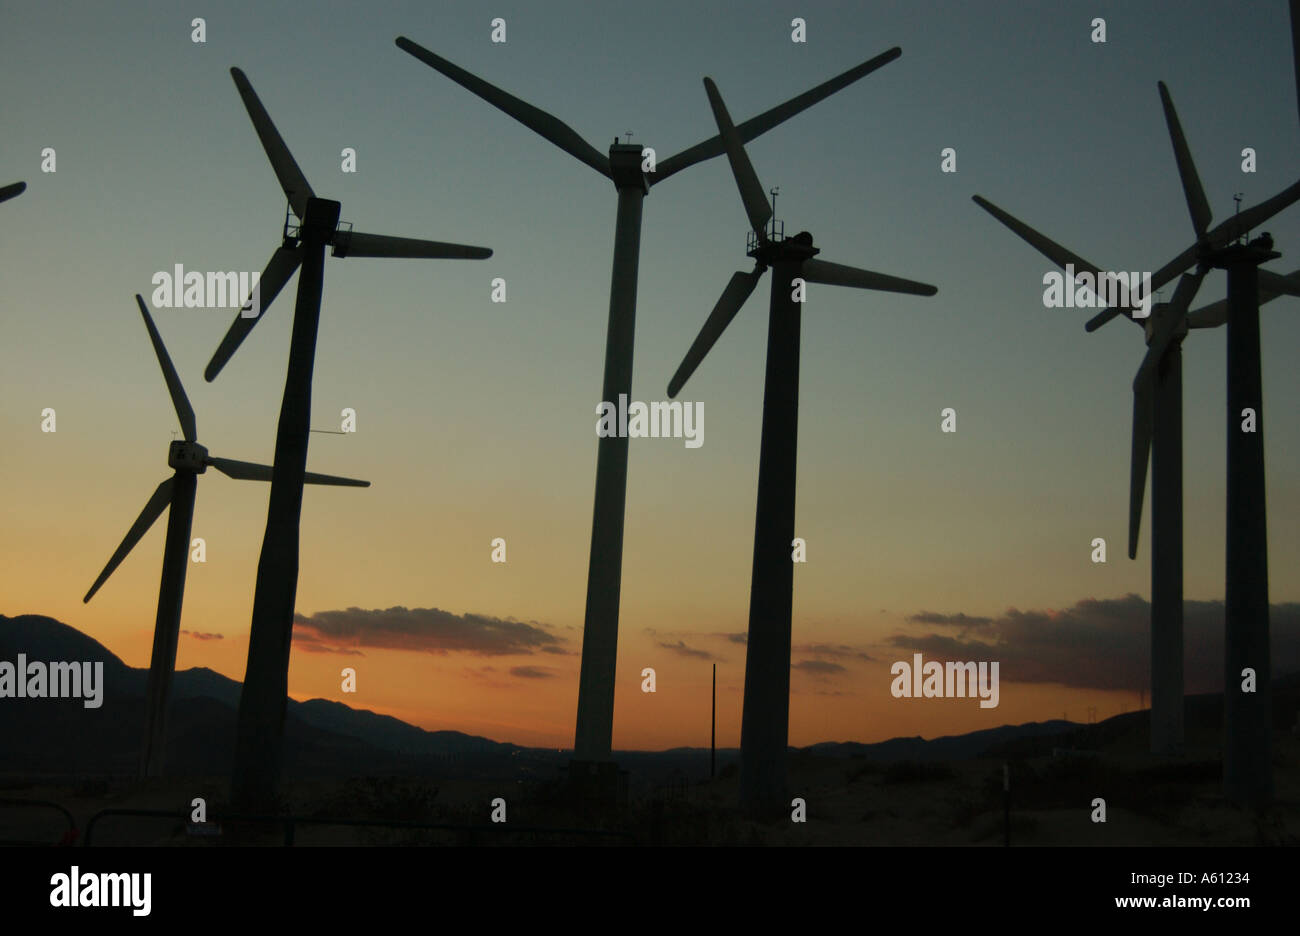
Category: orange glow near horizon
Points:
column 478, row 695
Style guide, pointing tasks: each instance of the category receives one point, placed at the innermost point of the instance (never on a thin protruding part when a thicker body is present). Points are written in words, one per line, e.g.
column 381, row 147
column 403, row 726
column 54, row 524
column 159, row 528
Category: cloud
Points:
column 820, row 667
column 311, row 643
column 200, row 635
column 1104, row 644
column 963, row 621
column 681, row 648
column 835, row 651
column 487, row 676
column 426, row 630
column 817, row 650
column 532, row 672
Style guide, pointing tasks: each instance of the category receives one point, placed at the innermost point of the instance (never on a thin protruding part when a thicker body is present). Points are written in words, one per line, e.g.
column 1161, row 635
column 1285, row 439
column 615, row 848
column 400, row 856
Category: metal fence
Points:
column 69, row 837
column 472, row 834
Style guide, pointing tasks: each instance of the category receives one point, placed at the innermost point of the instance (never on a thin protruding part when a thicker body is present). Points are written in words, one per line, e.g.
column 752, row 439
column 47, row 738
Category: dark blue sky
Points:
column 476, row 419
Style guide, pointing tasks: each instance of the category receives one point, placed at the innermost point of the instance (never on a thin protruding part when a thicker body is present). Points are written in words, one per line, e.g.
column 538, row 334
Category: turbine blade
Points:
column 1212, row 315
column 1144, row 398
column 312, row 477
column 12, row 191
column 837, row 274
column 356, row 244
column 1295, row 46
column 241, row 470
column 250, row 471
column 733, row 298
column 751, row 191
column 1168, row 326
column 765, row 121
column 1143, row 422
column 1057, row 254
column 1181, row 263
column 291, row 178
column 1188, row 286
column 535, row 119
column 1195, row 194
column 1044, row 245
column 162, row 496
column 1277, row 285
column 1239, row 224
column 1101, row 318
column 278, row 271
column 1216, row 313
column 1144, row 387
column 184, row 412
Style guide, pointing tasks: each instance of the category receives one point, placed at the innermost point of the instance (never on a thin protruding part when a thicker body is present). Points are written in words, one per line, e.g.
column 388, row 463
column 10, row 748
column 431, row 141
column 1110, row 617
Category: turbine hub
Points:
column 187, row 456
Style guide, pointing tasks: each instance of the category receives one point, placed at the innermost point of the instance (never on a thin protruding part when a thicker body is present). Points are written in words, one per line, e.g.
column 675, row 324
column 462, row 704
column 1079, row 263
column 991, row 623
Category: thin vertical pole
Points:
column 713, row 727
column 1006, row 805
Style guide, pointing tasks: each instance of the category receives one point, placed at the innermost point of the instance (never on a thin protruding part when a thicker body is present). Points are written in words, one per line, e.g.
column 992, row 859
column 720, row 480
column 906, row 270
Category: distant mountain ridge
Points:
column 43, row 736
column 328, row 738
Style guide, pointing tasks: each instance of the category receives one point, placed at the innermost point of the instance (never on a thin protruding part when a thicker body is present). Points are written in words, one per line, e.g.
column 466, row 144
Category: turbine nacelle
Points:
column 1263, row 242
column 187, row 456
column 320, row 220
column 625, row 166
column 794, row 249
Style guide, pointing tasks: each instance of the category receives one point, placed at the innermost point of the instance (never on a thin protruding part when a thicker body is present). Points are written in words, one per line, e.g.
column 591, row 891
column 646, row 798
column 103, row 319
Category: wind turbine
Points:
column 1157, row 430
column 624, row 167
column 1247, row 712
column 176, row 494
column 1247, row 716
column 12, row 191
column 766, row 715
column 262, row 701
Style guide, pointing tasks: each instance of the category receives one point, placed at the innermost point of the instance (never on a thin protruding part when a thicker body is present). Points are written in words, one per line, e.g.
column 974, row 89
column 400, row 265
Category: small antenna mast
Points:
column 773, row 191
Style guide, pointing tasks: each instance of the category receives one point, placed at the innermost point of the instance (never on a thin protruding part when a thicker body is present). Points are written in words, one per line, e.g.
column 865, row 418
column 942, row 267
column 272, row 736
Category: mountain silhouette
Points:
column 54, row 739
column 324, row 738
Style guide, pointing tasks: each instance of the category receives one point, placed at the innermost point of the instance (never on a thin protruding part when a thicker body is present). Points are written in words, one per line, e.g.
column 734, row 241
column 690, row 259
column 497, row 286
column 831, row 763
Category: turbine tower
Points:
column 1157, row 413
column 623, row 166
column 765, row 720
column 262, row 701
column 1247, row 713
column 1247, row 716
column 176, row 495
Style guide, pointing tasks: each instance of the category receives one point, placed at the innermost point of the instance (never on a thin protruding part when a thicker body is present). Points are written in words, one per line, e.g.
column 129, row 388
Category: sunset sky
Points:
column 476, row 419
